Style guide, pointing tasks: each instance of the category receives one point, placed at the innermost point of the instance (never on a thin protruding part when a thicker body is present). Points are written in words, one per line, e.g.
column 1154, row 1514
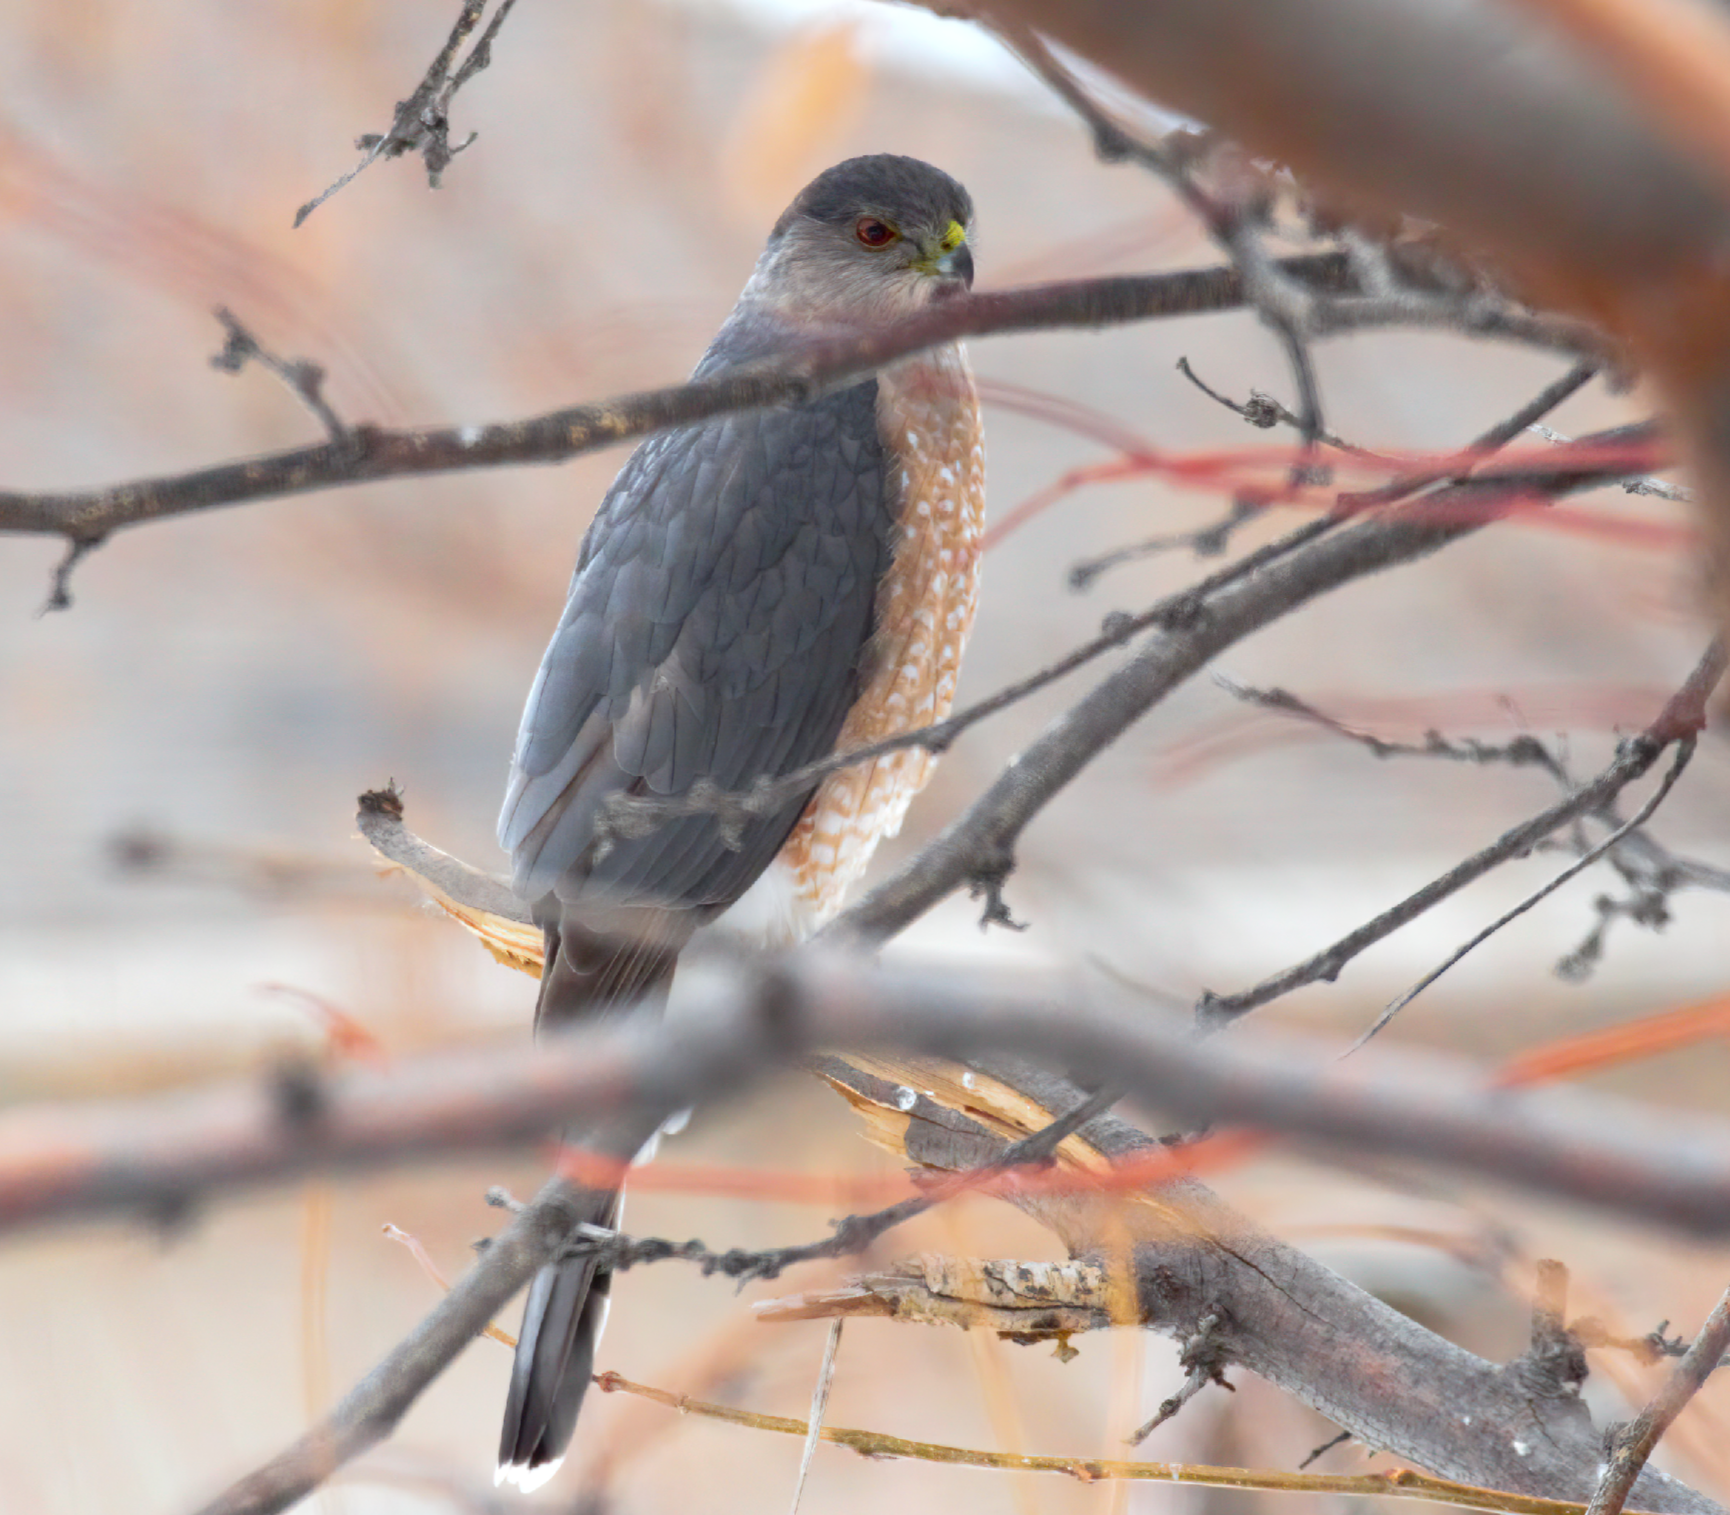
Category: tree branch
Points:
column 1682, row 718
column 1194, row 1258
column 978, row 848
column 422, row 122
column 1635, row 1442
column 368, row 453
column 1399, row 1483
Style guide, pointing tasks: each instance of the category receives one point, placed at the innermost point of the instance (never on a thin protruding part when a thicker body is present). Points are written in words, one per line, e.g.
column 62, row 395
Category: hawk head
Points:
column 870, row 239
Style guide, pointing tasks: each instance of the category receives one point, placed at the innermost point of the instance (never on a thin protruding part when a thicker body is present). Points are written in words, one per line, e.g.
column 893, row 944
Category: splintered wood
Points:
column 1023, row 1301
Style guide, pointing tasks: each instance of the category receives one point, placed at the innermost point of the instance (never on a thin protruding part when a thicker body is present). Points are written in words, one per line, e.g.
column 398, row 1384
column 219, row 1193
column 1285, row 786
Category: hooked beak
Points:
column 957, row 264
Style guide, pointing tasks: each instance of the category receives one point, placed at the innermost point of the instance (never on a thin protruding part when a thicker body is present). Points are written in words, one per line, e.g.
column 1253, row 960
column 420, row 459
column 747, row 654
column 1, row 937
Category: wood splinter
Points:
column 1024, row 1302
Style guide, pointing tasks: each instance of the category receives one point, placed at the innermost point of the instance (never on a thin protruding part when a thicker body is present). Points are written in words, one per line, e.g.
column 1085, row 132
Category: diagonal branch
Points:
column 1680, row 720
column 1635, row 1442
column 977, row 849
column 422, row 122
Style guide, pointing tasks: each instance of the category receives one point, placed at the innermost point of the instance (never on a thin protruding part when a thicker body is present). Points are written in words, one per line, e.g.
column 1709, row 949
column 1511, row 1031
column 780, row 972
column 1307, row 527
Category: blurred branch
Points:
column 1550, row 167
column 1399, row 1483
column 161, row 1156
column 367, row 453
column 422, row 122
column 1679, row 722
column 1528, row 147
column 272, row 872
column 304, row 379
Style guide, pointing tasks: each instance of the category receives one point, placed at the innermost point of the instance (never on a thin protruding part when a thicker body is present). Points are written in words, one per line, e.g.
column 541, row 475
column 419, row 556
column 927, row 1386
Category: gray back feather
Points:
column 714, row 630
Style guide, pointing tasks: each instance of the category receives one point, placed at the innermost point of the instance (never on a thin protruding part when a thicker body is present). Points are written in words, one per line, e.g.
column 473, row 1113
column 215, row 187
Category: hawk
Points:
column 757, row 591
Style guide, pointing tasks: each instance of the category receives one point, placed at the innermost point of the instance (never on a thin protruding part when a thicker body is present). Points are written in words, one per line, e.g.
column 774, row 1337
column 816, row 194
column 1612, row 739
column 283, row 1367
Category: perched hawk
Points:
column 756, row 592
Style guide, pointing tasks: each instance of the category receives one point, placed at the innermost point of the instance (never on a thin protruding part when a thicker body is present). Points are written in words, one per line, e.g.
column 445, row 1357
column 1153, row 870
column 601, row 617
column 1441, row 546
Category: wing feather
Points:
column 715, row 629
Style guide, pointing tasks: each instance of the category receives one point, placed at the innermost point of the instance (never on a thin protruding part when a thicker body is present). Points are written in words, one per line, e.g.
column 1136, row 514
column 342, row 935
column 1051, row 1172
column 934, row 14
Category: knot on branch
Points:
column 985, row 880
column 1550, row 1371
column 386, row 802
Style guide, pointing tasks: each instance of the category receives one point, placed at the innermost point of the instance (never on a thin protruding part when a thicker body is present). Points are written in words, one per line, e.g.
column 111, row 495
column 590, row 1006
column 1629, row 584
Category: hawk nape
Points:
column 757, row 591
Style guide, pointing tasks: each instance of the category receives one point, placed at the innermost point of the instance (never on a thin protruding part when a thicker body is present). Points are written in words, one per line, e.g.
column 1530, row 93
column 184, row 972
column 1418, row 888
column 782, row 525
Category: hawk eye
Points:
column 874, row 233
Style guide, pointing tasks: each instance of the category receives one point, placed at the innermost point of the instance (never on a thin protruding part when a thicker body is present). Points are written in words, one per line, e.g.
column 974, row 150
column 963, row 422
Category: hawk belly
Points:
column 928, row 415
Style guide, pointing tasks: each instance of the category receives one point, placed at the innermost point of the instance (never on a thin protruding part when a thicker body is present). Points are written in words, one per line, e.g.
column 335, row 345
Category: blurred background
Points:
column 184, row 895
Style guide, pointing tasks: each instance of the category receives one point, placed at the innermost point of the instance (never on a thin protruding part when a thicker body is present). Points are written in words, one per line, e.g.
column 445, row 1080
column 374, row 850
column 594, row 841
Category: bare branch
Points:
column 1636, row 1441
column 422, row 122
column 1634, row 758
column 978, row 847
column 1652, row 871
column 304, row 379
column 369, row 453
column 1399, row 1483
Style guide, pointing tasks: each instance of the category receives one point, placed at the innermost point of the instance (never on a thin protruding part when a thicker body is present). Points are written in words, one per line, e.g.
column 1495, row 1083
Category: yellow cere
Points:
column 953, row 237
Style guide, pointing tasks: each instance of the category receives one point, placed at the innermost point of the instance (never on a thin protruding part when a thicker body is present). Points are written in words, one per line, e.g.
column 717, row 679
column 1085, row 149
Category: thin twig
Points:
column 422, row 122
column 304, row 379
column 1203, row 1364
column 1264, row 412
column 1662, row 489
column 1261, row 410
column 1635, row 757
column 1684, row 752
column 819, row 1404
column 1398, row 1483
column 1209, row 541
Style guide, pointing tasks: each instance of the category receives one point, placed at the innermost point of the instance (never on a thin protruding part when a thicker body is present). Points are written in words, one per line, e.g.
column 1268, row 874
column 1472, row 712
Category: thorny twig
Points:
column 422, row 122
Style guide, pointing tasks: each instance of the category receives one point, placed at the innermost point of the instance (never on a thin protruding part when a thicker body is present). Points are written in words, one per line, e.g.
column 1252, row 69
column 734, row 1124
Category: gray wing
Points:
column 715, row 628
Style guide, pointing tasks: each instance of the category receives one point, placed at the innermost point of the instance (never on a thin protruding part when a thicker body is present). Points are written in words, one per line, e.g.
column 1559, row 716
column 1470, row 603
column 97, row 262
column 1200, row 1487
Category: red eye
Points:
column 874, row 233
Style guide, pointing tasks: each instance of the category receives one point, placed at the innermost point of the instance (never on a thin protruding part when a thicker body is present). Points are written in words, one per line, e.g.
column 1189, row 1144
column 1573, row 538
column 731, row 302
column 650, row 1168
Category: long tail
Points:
column 562, row 1324
column 585, row 976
